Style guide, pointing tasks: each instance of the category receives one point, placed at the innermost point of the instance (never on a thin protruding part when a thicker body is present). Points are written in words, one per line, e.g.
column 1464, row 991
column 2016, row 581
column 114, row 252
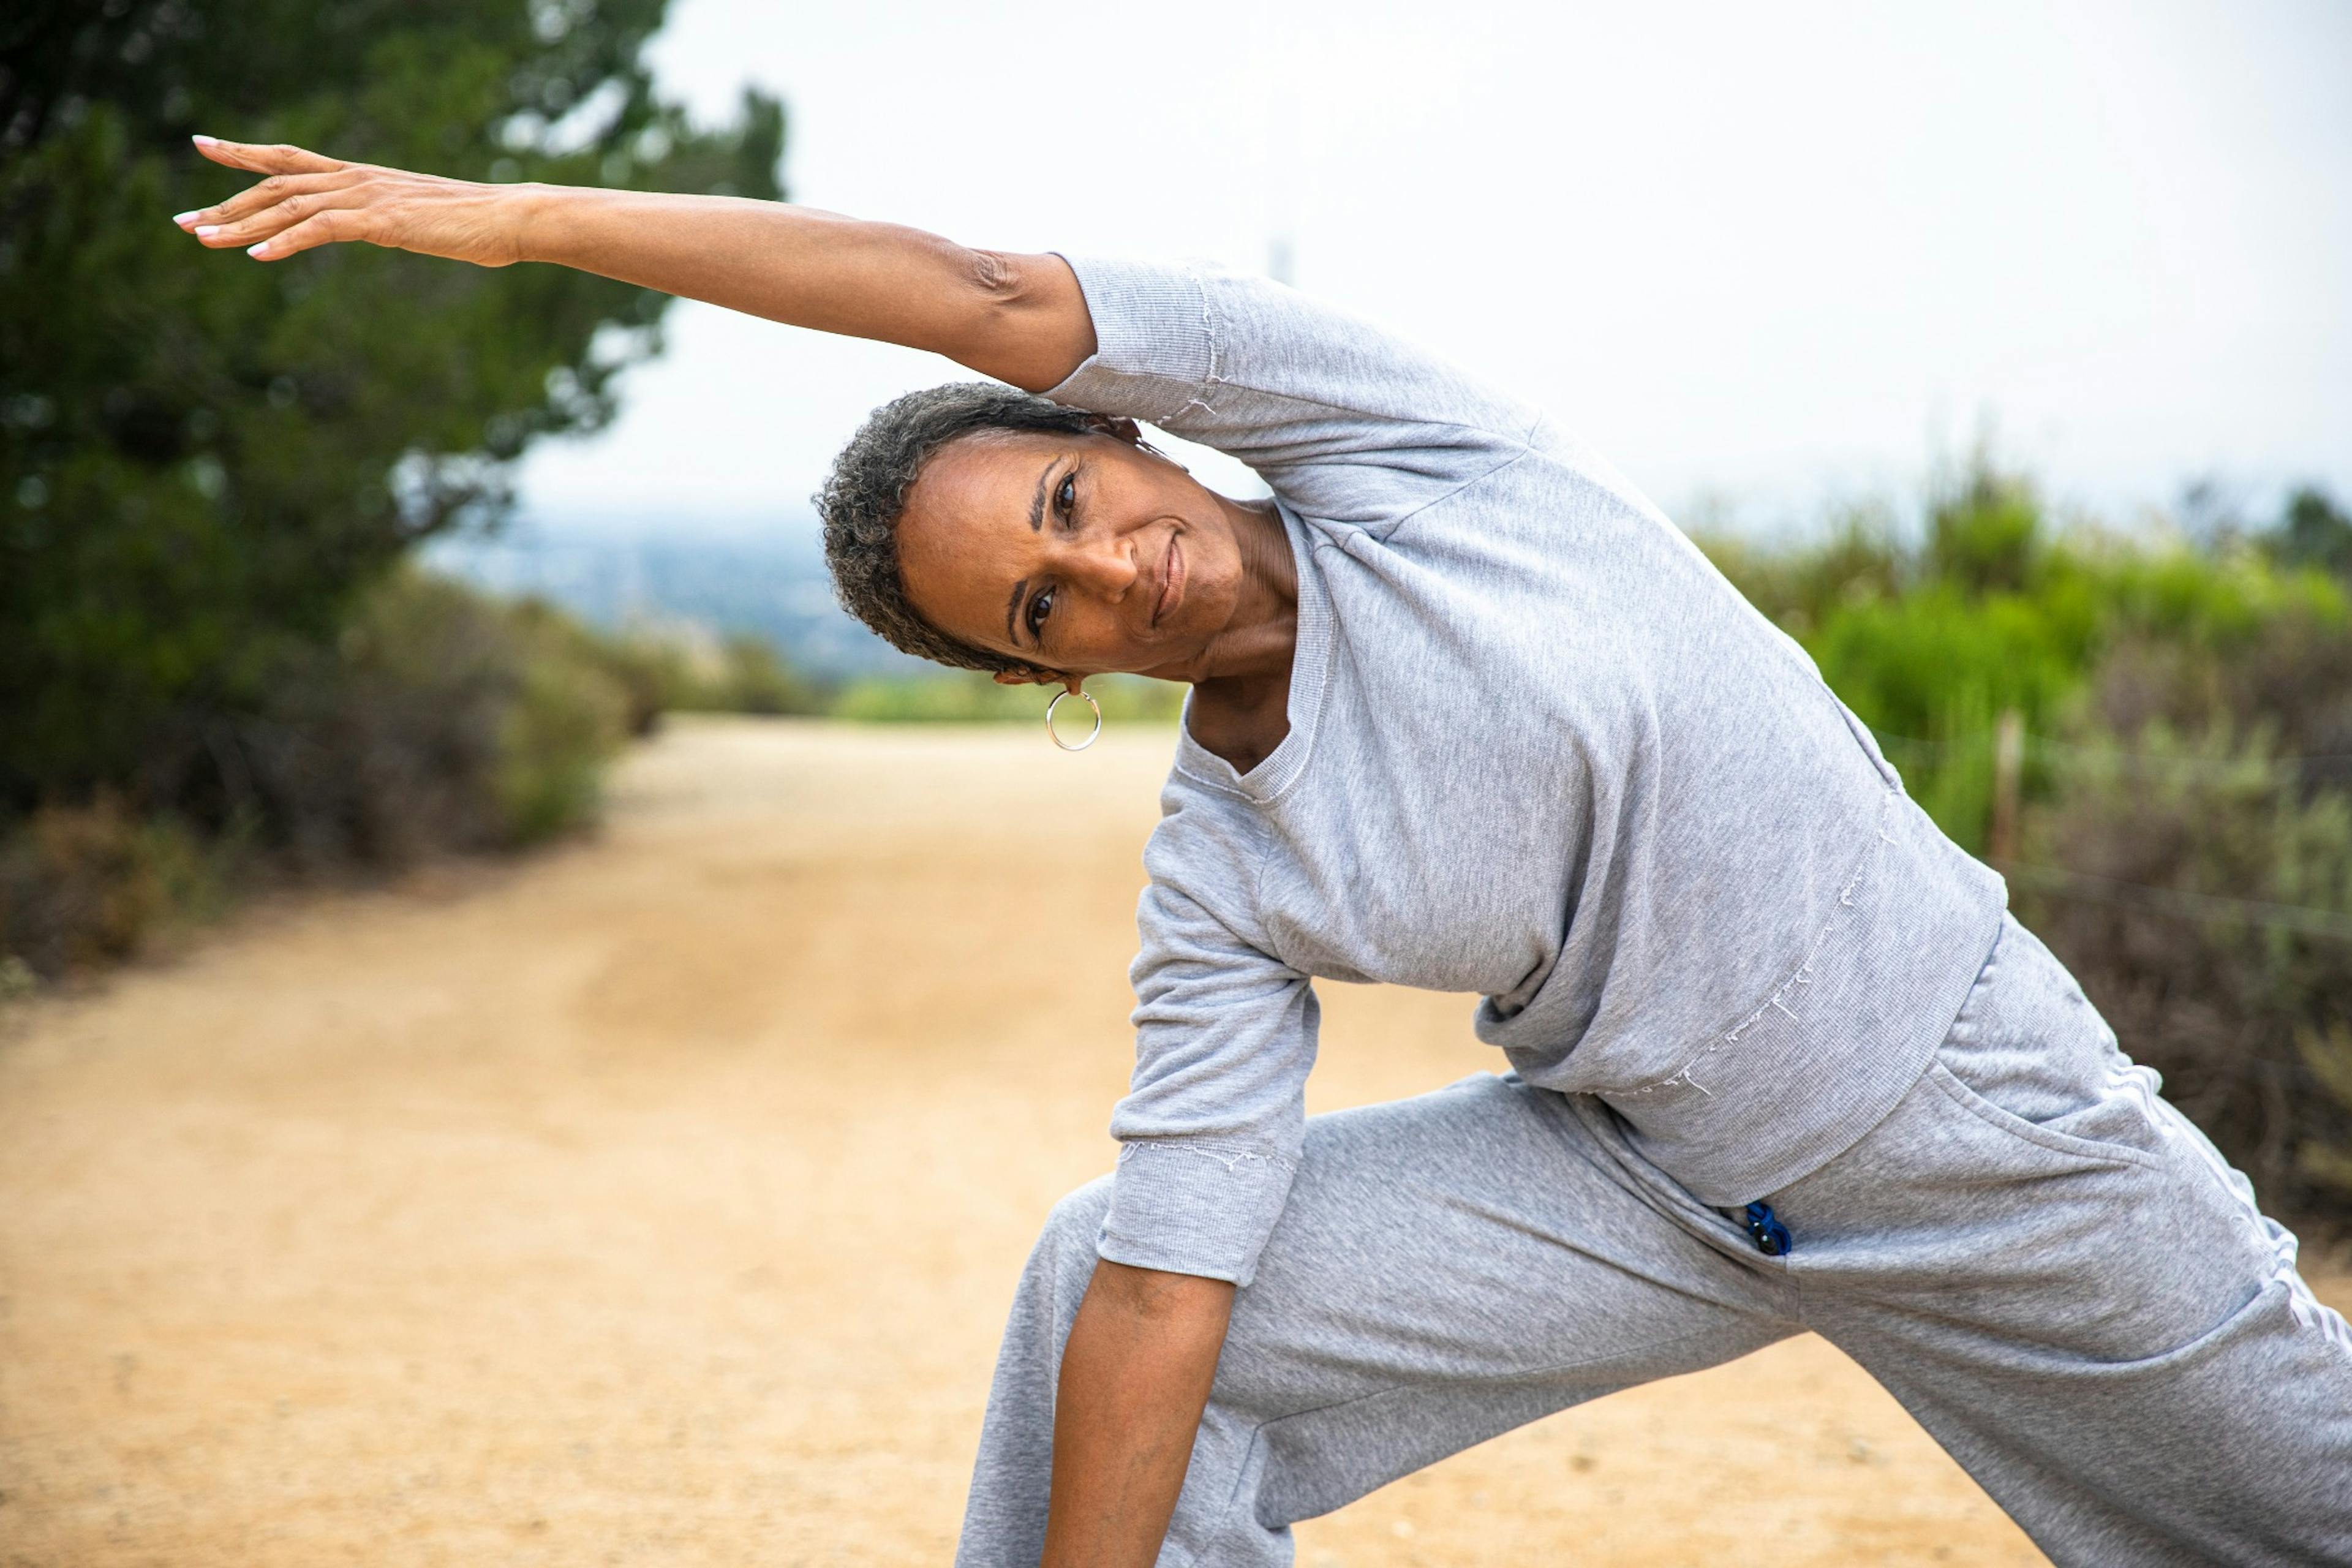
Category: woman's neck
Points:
column 1255, row 644
column 1241, row 697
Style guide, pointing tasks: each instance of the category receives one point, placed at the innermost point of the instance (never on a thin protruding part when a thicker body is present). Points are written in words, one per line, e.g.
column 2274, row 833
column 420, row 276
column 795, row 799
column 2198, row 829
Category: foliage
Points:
column 204, row 461
column 1987, row 536
column 739, row 673
column 754, row 679
column 2199, row 883
column 83, row 886
column 968, row 696
column 1857, row 561
column 2315, row 531
column 440, row 719
column 1932, row 673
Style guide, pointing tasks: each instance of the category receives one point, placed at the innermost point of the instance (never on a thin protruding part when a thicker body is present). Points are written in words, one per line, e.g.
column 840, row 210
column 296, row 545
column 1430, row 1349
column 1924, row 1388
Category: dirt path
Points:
column 657, row 1202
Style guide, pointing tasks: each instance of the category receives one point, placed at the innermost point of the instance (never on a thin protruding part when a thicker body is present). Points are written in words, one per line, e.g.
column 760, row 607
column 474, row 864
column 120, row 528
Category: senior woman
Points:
column 1468, row 713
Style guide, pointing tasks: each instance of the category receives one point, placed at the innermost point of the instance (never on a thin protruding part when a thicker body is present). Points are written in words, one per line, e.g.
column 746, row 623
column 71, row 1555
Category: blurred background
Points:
column 2001, row 355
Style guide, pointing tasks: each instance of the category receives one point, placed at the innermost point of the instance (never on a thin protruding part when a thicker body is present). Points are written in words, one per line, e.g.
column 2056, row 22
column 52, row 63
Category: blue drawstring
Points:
column 1765, row 1229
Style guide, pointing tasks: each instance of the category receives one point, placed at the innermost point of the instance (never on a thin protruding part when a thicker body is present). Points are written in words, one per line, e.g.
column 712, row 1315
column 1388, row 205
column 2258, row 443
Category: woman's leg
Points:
column 2057, row 1274
column 1447, row 1267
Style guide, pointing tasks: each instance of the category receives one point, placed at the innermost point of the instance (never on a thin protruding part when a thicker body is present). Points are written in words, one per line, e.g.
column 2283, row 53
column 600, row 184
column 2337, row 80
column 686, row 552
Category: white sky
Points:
column 1765, row 254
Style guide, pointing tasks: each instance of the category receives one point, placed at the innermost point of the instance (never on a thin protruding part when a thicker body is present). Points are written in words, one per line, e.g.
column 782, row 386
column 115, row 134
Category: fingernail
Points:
column 182, row 218
column 207, row 231
column 256, row 251
column 206, row 141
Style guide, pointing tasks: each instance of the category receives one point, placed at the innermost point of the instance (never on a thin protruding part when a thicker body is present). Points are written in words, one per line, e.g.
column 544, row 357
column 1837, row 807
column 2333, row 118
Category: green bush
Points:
column 1932, row 672
column 2313, row 531
column 565, row 719
column 639, row 670
column 743, row 674
column 1987, row 535
column 971, row 696
column 1857, row 563
column 439, row 720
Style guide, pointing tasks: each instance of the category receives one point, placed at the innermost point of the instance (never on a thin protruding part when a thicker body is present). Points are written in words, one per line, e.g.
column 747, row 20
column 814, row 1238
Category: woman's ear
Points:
column 1027, row 677
column 1129, row 431
column 1125, row 430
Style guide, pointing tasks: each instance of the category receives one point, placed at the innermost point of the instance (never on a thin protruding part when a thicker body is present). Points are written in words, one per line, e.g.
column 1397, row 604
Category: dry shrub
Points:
column 440, row 721
column 85, row 886
column 2217, row 938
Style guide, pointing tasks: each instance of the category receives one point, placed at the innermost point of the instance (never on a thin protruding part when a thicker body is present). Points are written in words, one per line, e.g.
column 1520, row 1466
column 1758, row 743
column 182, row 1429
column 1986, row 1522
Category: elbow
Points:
column 996, row 279
column 1155, row 1296
column 1031, row 326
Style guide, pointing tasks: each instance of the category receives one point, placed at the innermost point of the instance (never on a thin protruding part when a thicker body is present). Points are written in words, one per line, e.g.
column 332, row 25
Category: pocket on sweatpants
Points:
column 2029, row 1055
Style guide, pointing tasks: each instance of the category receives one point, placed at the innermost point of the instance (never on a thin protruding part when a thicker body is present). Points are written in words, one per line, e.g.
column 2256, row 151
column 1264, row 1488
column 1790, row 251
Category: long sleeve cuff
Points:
column 1194, row 1207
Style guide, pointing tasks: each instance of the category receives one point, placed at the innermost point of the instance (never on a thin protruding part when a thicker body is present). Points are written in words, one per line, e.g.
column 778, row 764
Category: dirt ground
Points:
column 657, row 1200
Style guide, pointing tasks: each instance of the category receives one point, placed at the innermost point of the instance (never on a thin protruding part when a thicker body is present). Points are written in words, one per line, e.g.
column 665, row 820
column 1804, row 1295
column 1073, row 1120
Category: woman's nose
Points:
column 1104, row 565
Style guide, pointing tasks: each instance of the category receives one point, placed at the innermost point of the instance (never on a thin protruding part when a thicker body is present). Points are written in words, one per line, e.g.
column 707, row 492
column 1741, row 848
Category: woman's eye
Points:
column 1039, row 608
column 1065, row 495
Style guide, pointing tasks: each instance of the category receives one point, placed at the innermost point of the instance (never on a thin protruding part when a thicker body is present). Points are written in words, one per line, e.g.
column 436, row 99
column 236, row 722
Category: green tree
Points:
column 2314, row 530
column 204, row 460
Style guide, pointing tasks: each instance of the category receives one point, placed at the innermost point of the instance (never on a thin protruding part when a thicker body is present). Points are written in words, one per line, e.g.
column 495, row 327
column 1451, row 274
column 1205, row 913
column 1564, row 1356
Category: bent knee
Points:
column 1074, row 1226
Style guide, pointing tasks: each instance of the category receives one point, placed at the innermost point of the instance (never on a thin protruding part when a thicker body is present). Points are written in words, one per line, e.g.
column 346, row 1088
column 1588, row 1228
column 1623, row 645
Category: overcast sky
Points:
column 1755, row 253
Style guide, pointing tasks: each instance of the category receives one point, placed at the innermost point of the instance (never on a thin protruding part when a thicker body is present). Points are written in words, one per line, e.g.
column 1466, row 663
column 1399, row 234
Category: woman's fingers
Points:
column 307, row 201
column 259, row 198
column 279, row 158
column 280, row 217
column 323, row 227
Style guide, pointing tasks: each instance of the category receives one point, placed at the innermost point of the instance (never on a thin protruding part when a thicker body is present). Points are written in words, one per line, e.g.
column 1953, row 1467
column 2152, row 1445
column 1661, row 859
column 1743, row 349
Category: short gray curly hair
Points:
column 865, row 495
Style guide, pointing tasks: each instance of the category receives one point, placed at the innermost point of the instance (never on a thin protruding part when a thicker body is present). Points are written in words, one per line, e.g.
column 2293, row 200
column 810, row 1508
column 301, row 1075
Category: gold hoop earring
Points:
column 1055, row 735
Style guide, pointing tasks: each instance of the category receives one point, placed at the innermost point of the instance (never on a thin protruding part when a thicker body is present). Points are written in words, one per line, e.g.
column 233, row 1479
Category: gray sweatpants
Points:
column 2045, row 1262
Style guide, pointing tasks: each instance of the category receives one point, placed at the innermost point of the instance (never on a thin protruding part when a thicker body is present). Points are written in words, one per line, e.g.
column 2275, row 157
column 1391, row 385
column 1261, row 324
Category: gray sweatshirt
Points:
column 1540, row 751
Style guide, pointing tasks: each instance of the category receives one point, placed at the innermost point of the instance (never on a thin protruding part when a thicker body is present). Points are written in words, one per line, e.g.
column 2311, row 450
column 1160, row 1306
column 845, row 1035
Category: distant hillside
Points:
column 730, row 574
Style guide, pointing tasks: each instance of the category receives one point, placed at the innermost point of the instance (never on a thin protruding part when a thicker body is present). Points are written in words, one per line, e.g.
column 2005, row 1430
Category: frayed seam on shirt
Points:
column 1685, row 1077
column 1213, row 379
column 1226, row 1155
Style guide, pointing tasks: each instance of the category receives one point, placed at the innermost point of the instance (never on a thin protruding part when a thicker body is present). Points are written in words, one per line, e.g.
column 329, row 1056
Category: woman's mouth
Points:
column 1172, row 579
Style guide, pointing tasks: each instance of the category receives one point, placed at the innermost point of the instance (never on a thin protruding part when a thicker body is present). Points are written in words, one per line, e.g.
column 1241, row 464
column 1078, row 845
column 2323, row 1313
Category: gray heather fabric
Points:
column 1540, row 751
column 2050, row 1267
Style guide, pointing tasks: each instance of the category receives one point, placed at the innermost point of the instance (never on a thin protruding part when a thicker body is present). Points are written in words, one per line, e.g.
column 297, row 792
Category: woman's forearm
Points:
column 1019, row 318
column 1135, row 1376
column 1022, row 319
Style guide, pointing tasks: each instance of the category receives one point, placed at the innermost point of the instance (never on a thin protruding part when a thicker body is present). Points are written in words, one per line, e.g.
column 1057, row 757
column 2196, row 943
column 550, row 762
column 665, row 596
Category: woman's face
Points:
column 1072, row 554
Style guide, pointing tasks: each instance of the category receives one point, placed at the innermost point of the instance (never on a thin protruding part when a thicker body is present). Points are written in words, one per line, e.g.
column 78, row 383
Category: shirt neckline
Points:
column 1310, row 673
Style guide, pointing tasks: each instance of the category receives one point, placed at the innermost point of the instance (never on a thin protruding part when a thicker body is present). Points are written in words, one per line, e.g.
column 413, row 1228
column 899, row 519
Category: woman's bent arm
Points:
column 1135, row 1376
column 1021, row 318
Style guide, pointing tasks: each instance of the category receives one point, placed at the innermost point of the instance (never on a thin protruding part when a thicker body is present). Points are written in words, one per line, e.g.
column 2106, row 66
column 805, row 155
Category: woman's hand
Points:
column 309, row 199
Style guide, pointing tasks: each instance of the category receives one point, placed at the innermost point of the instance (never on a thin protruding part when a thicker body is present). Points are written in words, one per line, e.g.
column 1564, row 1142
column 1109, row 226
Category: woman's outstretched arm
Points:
column 1020, row 319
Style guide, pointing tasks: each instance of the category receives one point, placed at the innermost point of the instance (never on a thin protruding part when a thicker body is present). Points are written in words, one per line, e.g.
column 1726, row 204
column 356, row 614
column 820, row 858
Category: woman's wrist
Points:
column 533, row 218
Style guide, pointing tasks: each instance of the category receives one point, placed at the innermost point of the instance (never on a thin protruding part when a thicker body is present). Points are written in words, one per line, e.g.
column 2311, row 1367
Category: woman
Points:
column 1467, row 714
